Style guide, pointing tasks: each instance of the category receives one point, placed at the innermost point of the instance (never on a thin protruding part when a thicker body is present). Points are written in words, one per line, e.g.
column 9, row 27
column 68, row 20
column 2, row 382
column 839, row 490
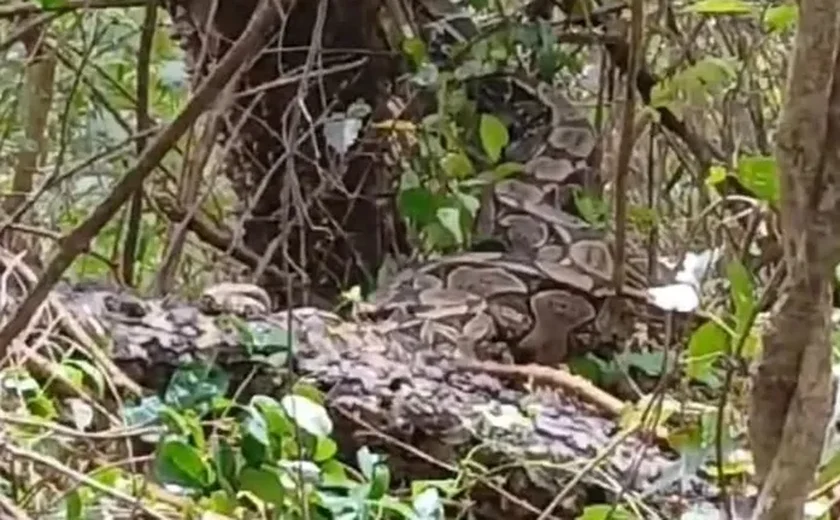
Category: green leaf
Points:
column 457, row 165
column 226, row 464
column 606, row 512
column 716, row 174
column 450, row 219
column 195, row 384
column 469, row 202
column 325, row 449
column 309, row 415
column 263, row 483
column 720, row 7
column 742, row 294
column 333, row 474
column 74, row 506
column 375, row 470
column 705, row 345
column 648, row 362
column 418, row 205
column 255, row 441
column 53, row 4
column 415, row 49
column 760, row 175
column 506, row 169
column 179, row 463
column 494, row 136
column 781, row 17
column 42, row 406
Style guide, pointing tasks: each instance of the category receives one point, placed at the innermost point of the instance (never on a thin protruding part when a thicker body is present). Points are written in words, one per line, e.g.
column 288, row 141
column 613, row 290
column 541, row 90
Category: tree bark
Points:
column 792, row 395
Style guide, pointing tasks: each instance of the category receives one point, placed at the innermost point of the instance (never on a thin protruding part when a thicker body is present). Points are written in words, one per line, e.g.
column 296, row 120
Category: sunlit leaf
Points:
column 606, row 512
column 742, row 294
column 494, row 136
column 450, row 219
column 760, row 175
column 457, row 165
column 781, row 17
column 707, row 343
column 309, row 415
column 720, row 7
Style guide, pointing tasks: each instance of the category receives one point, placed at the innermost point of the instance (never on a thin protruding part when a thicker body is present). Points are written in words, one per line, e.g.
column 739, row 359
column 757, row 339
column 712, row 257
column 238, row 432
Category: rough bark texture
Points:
column 306, row 209
column 792, row 387
column 416, row 405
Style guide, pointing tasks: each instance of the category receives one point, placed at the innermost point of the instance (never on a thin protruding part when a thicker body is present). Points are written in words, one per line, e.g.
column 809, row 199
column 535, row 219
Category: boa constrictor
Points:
column 547, row 288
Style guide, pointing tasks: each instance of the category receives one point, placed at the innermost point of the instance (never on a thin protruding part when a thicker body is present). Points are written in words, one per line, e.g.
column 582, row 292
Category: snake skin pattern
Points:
column 546, row 292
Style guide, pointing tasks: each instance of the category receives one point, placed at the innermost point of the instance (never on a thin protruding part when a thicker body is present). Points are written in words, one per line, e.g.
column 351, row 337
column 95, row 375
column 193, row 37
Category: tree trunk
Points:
column 304, row 209
column 792, row 388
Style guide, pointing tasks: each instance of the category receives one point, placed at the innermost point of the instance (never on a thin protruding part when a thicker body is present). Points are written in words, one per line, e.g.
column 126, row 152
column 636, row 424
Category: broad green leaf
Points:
column 263, row 483
column 450, row 219
column 494, row 136
column 781, row 17
column 179, row 463
column 760, row 175
column 457, row 165
column 277, row 422
column 704, row 347
column 720, row 7
column 418, row 205
column 309, row 415
column 255, row 440
column 325, row 449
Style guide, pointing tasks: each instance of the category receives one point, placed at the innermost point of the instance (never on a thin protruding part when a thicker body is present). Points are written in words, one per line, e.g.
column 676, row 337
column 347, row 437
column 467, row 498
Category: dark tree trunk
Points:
column 325, row 220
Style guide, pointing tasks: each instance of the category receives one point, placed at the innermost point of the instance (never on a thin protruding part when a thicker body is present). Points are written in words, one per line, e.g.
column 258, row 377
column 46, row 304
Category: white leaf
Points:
column 309, row 415
column 341, row 133
column 82, row 413
column 680, row 297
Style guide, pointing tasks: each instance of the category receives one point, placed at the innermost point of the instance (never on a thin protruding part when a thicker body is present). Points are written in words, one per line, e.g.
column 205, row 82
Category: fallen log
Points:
column 429, row 409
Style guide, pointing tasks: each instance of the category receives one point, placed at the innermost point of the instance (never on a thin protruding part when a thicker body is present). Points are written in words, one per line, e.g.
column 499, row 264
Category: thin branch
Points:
column 260, row 28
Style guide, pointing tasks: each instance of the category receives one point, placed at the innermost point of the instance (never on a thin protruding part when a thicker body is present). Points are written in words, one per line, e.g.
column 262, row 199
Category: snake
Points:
column 546, row 290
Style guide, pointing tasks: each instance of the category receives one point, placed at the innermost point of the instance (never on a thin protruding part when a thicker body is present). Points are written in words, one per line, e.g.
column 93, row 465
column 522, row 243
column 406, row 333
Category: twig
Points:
column 260, row 28
column 23, row 453
column 11, row 509
column 135, row 211
column 625, row 146
column 560, row 378
column 8, row 11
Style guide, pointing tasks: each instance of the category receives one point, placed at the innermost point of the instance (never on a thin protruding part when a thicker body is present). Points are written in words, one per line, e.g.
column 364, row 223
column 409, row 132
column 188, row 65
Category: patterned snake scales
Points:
column 550, row 288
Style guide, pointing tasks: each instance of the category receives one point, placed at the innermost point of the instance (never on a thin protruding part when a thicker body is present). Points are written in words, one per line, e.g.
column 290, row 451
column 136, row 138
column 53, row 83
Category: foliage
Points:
column 277, row 456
